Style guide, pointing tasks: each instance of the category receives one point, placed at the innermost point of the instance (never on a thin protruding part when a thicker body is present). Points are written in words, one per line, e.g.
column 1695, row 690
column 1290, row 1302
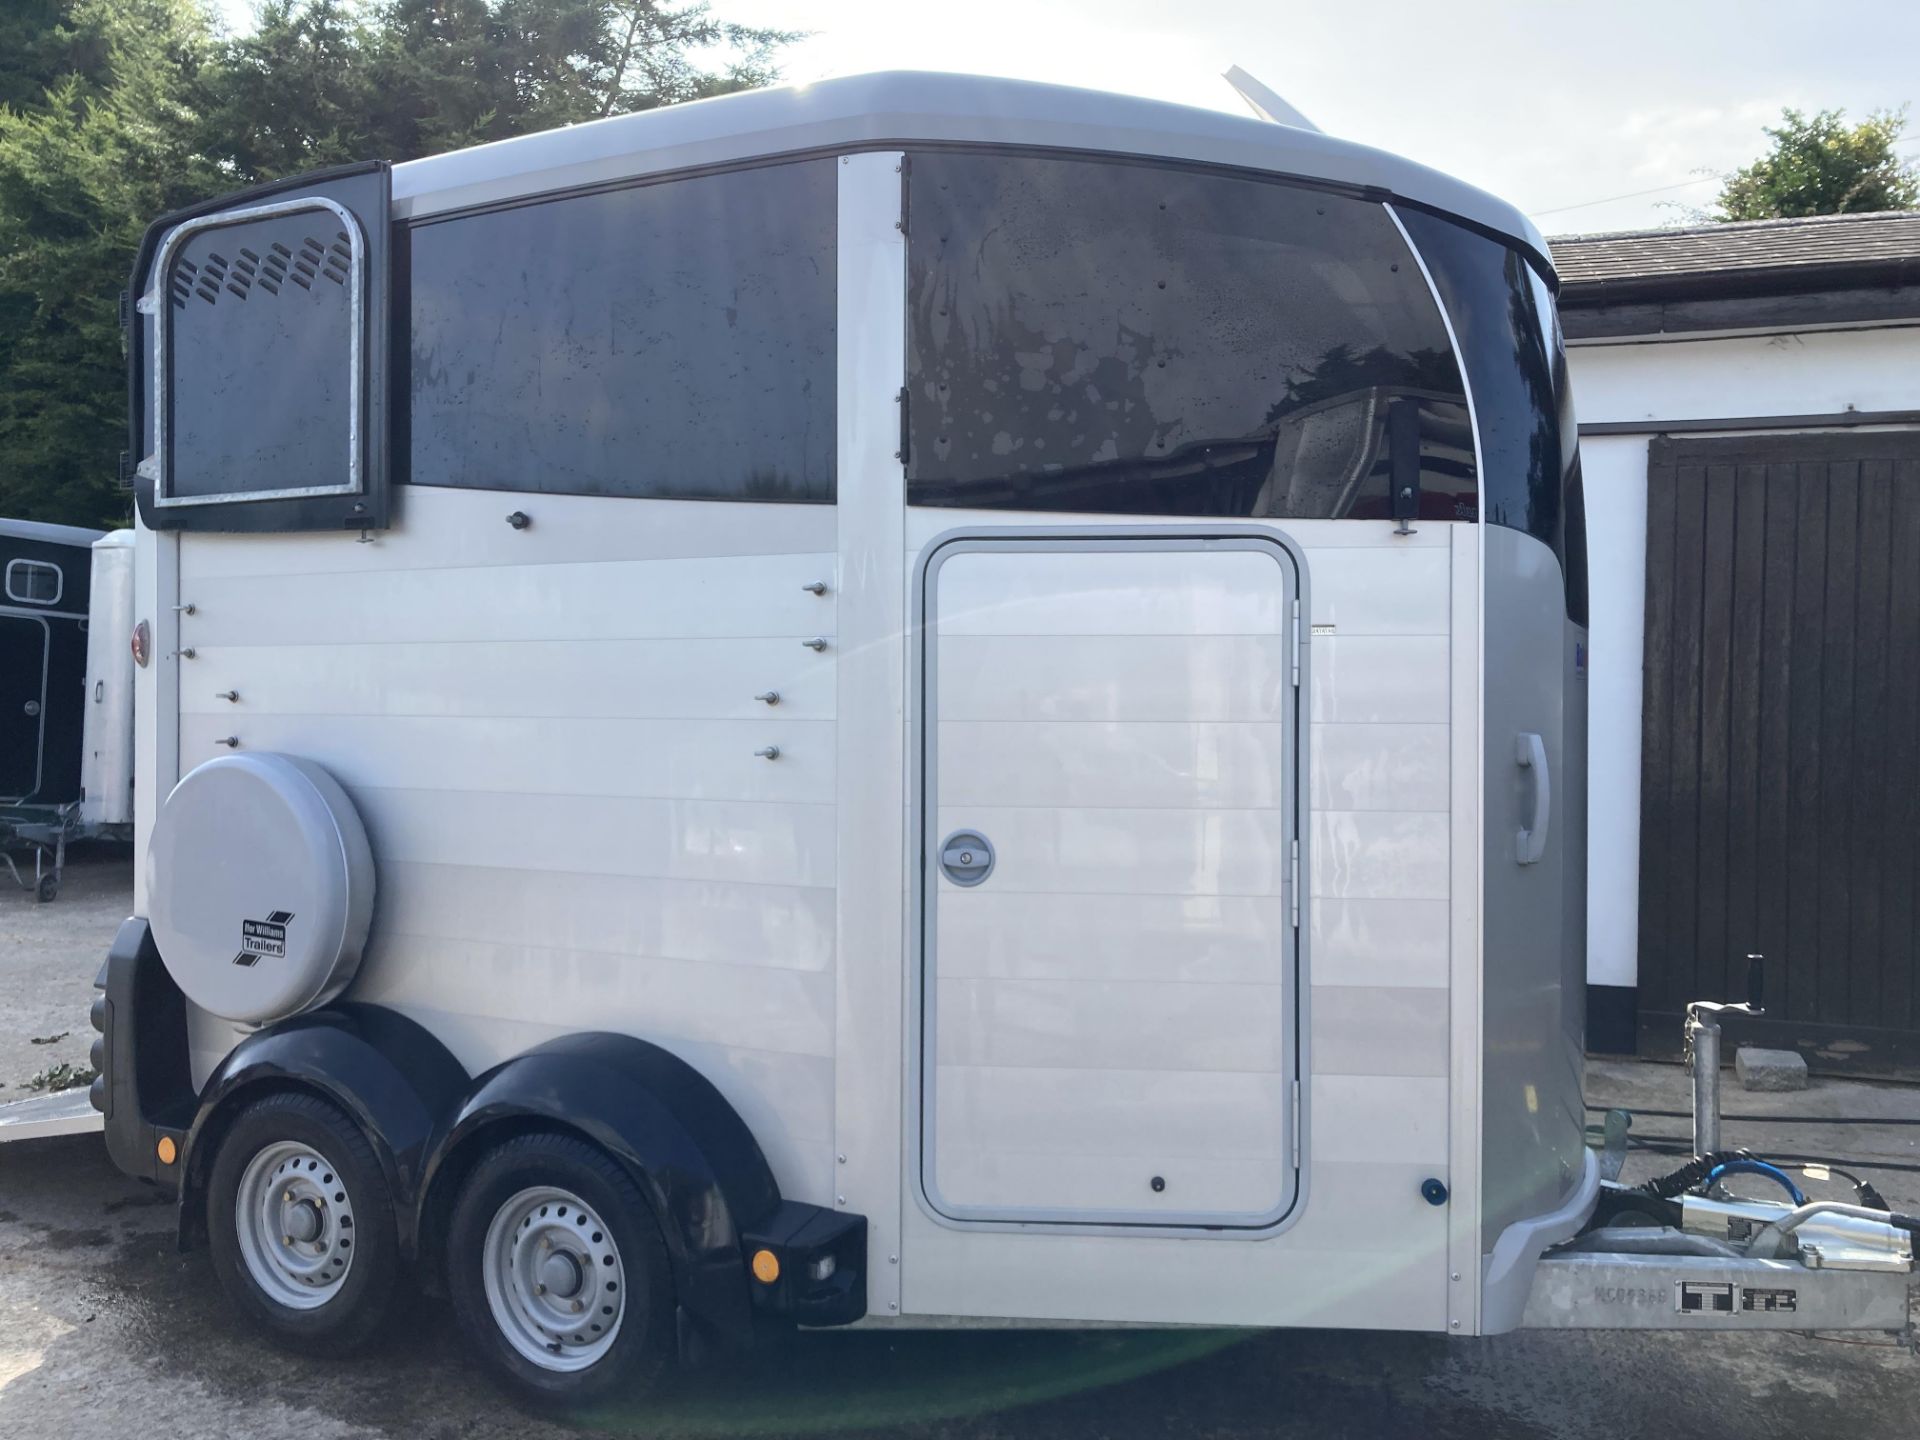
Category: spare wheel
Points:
column 259, row 886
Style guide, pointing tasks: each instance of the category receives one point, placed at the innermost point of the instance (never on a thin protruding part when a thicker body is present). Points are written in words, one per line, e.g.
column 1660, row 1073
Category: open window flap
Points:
column 258, row 357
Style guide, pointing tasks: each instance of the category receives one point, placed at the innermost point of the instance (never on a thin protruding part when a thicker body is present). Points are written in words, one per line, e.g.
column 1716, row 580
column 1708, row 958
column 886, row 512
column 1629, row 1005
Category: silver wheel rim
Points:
column 293, row 1216
column 554, row 1280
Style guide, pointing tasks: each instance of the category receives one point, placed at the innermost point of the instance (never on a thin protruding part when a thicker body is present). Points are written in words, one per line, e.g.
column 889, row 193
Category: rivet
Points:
column 1455, row 1324
column 1456, row 1274
column 839, row 1199
column 893, row 1305
column 843, row 1159
column 893, row 1259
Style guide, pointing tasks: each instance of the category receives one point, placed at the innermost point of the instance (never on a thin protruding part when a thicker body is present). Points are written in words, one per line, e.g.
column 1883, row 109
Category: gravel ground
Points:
column 107, row 1331
column 49, row 955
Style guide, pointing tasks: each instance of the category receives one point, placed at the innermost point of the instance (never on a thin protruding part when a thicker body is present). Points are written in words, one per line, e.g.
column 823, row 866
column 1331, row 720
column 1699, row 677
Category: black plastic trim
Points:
column 1837, row 420
column 685, row 1146
column 389, row 1074
column 145, row 1085
column 802, row 1235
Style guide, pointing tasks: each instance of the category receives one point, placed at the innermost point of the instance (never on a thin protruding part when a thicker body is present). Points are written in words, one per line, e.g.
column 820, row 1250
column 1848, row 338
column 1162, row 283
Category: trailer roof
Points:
column 910, row 107
column 48, row 534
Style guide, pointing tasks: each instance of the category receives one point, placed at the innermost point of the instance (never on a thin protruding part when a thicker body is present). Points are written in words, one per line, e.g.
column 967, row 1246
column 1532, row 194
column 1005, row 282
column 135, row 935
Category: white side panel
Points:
column 550, row 734
column 1392, row 933
column 106, row 757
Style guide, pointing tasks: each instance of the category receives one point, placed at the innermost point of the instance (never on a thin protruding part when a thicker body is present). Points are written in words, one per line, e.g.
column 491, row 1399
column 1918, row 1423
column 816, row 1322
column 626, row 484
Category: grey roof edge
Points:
column 47, row 533
column 908, row 107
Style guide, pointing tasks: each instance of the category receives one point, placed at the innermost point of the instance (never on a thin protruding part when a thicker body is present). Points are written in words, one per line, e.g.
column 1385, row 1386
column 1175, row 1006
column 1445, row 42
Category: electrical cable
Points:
column 1758, row 1167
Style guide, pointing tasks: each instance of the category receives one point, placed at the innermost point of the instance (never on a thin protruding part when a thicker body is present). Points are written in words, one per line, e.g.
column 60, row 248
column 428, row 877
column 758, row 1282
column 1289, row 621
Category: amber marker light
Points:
column 766, row 1266
column 167, row 1150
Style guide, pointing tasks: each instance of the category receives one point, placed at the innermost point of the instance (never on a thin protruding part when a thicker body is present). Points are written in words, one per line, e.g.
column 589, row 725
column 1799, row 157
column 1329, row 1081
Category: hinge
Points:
column 1296, row 649
column 906, row 169
column 1296, row 1125
column 1294, row 881
column 900, row 399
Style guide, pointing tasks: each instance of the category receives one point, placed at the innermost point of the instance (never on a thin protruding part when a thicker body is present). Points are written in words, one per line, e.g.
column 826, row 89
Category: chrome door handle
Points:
column 1531, row 843
column 967, row 857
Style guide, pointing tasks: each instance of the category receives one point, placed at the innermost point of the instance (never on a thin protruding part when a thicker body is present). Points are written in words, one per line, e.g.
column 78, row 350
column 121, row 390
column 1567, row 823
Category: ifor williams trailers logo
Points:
column 264, row 939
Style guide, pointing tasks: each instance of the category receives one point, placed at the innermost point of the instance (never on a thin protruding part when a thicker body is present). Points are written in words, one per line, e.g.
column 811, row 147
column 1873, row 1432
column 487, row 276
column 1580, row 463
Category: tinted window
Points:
column 260, row 364
column 1509, row 334
column 675, row 339
column 1092, row 336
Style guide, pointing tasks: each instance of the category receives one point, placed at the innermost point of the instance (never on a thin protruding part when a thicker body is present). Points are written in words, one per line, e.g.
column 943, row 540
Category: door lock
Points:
column 967, row 857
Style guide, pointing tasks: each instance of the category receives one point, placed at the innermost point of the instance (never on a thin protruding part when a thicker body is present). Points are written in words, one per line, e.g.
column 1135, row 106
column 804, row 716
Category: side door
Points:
column 23, row 704
column 1109, row 809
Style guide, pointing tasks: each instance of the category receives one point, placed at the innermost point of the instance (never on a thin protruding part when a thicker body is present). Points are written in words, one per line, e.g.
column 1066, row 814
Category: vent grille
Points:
column 217, row 275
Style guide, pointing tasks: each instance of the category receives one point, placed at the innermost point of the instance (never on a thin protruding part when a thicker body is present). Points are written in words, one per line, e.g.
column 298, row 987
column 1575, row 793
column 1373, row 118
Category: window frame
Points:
column 59, row 581
column 161, row 468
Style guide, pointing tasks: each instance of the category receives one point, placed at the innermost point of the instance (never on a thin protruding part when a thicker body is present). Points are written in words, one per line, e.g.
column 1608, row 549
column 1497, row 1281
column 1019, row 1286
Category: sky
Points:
column 1589, row 116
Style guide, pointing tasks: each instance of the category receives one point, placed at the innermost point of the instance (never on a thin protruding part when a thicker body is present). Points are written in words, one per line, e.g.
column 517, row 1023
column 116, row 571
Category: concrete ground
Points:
column 106, row 1331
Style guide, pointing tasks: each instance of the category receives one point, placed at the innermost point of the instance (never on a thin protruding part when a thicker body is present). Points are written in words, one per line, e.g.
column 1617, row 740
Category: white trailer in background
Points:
column 965, row 701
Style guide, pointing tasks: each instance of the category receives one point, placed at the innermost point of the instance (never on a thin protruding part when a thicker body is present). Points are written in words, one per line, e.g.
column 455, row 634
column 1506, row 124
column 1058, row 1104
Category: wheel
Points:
column 301, row 1224
column 48, row 887
column 558, row 1272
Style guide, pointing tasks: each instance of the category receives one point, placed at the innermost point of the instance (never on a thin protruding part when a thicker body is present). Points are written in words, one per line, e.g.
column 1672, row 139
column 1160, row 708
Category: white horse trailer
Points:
column 914, row 700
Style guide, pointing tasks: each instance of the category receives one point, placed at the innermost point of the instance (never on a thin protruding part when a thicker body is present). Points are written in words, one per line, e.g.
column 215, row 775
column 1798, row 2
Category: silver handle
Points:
column 1531, row 843
column 967, row 857
column 772, row 752
column 232, row 742
column 816, row 643
column 232, row 697
column 768, row 697
column 817, row 587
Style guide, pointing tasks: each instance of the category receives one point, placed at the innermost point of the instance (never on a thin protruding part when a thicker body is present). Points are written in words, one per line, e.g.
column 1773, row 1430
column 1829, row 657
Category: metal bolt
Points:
column 893, row 1259
column 1456, row 1274
column 1454, row 1324
column 538, row 1288
column 893, row 1305
column 843, row 1159
column 839, row 1199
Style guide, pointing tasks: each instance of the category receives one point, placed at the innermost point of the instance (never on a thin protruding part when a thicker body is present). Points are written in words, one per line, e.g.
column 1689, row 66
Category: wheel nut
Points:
column 539, row 1289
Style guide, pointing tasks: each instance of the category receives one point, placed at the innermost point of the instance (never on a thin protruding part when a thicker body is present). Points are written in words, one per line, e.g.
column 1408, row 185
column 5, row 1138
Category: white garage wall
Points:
column 1656, row 382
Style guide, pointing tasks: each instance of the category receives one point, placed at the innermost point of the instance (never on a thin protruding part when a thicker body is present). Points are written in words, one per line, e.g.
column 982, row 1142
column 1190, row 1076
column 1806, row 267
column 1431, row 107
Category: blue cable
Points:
column 1757, row 1167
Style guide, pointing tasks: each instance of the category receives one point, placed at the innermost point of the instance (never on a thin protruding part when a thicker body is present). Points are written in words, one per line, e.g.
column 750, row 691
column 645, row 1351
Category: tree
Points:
column 81, row 173
column 321, row 81
column 113, row 112
column 1823, row 166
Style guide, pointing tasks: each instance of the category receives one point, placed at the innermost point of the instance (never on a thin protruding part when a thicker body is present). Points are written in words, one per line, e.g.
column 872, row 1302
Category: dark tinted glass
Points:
column 260, row 357
column 675, row 339
column 1509, row 335
column 1134, row 339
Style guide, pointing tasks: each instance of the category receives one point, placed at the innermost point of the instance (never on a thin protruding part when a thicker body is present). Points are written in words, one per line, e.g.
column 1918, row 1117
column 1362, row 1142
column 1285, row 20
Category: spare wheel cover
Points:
column 259, row 886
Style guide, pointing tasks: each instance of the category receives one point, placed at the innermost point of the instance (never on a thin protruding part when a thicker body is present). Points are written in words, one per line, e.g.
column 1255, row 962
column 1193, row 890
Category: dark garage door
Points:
column 1780, row 778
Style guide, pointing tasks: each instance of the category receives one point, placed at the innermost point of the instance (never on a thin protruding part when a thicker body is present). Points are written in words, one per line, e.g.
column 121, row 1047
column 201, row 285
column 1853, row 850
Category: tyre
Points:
column 301, row 1224
column 46, row 889
column 558, row 1273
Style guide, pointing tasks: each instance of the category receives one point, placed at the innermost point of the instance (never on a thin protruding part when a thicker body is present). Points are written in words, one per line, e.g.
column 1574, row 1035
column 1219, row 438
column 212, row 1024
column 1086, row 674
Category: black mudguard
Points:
column 390, row 1076
column 685, row 1146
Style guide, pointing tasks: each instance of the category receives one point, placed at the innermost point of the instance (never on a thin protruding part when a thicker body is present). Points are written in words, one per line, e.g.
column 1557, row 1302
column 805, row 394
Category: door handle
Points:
column 967, row 857
column 33, row 708
column 1531, row 843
